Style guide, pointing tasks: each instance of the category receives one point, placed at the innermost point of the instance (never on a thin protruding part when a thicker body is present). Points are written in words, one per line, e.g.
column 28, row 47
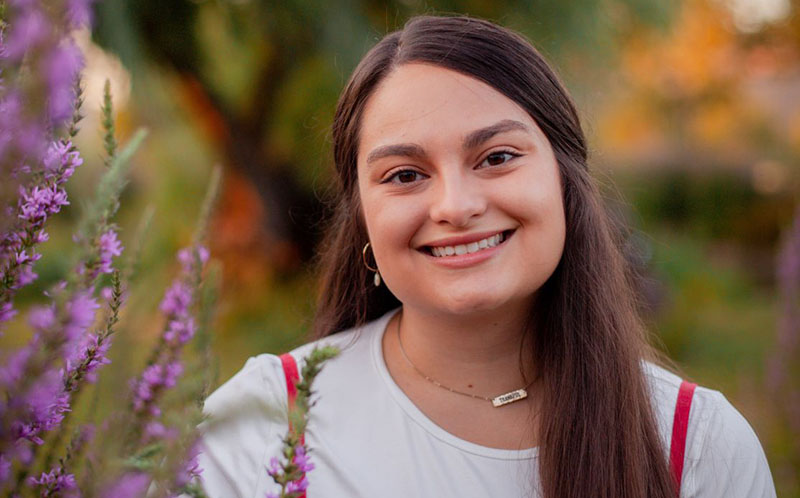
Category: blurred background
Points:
column 692, row 108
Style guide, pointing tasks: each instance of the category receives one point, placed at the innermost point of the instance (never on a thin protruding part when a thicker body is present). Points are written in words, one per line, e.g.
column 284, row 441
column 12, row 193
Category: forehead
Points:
column 431, row 105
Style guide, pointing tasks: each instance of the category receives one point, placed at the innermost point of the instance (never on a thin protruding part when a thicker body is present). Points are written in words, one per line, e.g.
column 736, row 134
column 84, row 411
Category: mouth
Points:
column 470, row 248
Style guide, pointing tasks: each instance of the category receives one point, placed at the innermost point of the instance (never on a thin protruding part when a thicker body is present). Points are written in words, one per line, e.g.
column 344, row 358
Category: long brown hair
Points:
column 598, row 435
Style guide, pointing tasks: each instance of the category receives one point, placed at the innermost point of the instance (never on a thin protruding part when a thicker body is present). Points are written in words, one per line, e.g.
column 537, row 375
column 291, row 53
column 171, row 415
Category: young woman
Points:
column 489, row 335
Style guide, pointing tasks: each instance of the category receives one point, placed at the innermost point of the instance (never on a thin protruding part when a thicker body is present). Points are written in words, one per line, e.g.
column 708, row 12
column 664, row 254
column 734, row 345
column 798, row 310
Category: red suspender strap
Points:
column 292, row 377
column 677, row 448
column 290, row 371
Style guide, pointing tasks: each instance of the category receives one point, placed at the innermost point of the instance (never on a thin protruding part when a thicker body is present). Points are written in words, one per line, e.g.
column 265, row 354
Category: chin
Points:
column 470, row 304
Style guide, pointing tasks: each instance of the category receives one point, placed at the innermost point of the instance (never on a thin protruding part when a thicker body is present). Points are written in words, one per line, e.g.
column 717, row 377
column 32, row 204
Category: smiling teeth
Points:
column 460, row 249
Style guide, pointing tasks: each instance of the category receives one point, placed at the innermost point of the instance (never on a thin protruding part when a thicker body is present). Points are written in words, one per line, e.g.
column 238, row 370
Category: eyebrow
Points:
column 472, row 140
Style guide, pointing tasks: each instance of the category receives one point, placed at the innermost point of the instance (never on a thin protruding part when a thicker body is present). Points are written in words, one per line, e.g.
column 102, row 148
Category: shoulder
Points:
column 723, row 454
column 241, row 419
column 357, row 348
column 261, row 381
column 247, row 415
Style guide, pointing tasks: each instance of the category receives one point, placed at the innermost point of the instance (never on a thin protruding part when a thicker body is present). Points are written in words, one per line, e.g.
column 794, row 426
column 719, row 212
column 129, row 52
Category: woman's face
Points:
column 460, row 193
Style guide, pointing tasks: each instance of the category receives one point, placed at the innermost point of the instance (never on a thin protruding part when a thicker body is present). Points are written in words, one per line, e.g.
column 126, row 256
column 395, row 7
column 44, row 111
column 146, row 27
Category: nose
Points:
column 457, row 199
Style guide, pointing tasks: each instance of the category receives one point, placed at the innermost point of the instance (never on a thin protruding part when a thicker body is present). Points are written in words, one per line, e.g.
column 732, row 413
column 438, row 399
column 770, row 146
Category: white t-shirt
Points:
column 368, row 439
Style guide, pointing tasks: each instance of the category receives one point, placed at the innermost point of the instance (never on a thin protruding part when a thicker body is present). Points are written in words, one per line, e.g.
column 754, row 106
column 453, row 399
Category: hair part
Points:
column 599, row 437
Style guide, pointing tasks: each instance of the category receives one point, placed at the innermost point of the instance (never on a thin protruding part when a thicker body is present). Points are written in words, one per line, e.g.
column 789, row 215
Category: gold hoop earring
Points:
column 377, row 278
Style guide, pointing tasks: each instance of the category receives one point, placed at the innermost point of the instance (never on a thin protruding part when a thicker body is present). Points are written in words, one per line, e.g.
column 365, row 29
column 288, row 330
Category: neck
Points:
column 478, row 352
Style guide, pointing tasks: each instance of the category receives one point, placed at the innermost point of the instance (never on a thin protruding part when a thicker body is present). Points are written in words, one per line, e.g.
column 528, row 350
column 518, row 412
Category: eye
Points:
column 404, row 176
column 499, row 157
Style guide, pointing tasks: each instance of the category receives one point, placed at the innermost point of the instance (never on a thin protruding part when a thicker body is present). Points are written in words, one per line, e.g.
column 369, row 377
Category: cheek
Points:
column 535, row 198
column 391, row 224
column 537, row 204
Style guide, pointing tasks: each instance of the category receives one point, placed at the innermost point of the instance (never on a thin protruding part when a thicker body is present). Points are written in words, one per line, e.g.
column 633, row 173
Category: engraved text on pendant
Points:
column 511, row 397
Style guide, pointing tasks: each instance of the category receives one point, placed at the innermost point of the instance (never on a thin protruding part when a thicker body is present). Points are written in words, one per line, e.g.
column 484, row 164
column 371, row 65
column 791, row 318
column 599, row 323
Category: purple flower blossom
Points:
column 56, row 481
column 177, row 299
column 7, row 312
column 166, row 367
column 297, row 486
column 5, row 468
column 81, row 311
column 157, row 430
column 18, row 135
column 275, row 467
column 130, row 485
column 35, row 204
column 42, row 318
column 26, row 276
column 155, row 378
column 79, row 12
column 17, row 247
column 12, row 369
column 28, row 30
column 280, row 474
column 107, row 293
column 35, row 398
column 190, row 468
column 10, row 110
column 186, row 257
column 109, row 247
column 60, row 161
column 91, row 356
column 45, row 405
column 38, row 203
column 180, row 331
column 301, row 459
column 61, row 69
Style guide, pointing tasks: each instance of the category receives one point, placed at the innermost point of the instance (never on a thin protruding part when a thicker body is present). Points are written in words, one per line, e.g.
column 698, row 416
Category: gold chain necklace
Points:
column 497, row 401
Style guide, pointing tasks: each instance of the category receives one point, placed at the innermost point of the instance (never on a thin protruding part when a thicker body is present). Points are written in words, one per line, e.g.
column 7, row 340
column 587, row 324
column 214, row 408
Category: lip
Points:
column 462, row 239
column 470, row 259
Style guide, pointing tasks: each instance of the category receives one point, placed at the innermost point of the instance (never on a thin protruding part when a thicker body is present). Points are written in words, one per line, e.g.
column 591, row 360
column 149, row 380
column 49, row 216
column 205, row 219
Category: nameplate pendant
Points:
column 511, row 397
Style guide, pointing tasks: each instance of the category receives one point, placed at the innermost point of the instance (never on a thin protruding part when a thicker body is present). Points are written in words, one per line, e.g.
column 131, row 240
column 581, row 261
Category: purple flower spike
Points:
column 42, row 318
column 81, row 311
column 60, row 161
column 38, row 203
column 130, row 485
column 186, row 257
column 107, row 293
column 7, row 312
column 275, row 467
column 301, row 460
column 155, row 378
column 28, row 30
column 176, row 300
column 57, row 482
column 11, row 371
column 79, row 12
column 157, row 430
column 91, row 356
column 190, row 468
column 45, row 406
column 62, row 67
column 109, row 247
column 171, row 373
column 180, row 332
column 5, row 468
column 26, row 276
column 297, row 486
